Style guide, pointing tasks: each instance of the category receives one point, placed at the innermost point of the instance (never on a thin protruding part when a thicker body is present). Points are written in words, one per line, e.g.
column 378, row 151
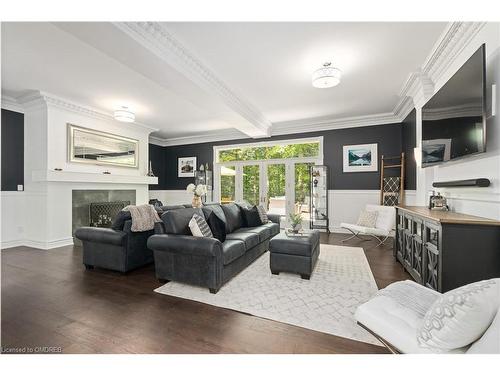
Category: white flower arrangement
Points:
column 199, row 190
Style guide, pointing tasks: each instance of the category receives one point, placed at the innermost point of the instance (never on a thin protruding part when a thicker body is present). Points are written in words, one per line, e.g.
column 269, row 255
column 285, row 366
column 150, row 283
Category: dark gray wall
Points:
column 12, row 150
column 387, row 136
column 157, row 157
column 409, row 142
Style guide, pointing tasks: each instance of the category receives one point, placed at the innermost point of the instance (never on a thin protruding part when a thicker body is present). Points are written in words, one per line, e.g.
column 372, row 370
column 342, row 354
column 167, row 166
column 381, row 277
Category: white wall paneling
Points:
column 171, row 197
column 344, row 205
column 13, row 212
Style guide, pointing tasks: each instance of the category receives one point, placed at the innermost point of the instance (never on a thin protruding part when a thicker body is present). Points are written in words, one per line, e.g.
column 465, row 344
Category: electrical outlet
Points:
column 20, row 187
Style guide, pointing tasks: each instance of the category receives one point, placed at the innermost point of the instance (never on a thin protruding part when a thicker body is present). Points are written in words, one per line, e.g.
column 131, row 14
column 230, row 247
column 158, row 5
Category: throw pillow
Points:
column 217, row 226
column 120, row 220
column 199, row 227
column 367, row 219
column 461, row 316
column 263, row 215
column 251, row 216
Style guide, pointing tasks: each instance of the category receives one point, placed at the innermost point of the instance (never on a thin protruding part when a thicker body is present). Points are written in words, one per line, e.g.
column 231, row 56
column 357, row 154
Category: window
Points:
column 268, row 152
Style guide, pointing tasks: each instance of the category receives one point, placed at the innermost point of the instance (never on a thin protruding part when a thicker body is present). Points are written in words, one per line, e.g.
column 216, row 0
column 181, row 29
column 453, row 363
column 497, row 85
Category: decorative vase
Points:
column 196, row 203
column 150, row 172
column 296, row 228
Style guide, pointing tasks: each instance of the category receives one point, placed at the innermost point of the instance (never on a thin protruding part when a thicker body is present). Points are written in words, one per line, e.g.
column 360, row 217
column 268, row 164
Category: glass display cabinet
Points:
column 204, row 177
column 319, row 197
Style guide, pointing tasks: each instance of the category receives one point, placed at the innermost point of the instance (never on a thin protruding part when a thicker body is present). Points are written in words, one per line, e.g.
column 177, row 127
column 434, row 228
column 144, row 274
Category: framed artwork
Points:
column 361, row 158
column 97, row 147
column 186, row 166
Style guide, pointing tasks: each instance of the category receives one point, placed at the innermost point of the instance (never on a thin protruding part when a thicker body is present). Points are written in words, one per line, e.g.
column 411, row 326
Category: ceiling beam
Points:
column 155, row 37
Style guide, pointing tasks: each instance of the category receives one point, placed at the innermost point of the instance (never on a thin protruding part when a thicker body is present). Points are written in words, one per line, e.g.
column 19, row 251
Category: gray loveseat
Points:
column 204, row 261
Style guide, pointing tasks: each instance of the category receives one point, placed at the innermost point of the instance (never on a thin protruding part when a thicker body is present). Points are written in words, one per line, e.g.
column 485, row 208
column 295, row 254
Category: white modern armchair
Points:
column 384, row 226
column 410, row 318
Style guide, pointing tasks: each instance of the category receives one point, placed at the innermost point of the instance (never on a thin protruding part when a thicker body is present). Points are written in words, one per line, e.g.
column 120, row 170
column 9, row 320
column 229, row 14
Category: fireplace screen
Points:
column 102, row 214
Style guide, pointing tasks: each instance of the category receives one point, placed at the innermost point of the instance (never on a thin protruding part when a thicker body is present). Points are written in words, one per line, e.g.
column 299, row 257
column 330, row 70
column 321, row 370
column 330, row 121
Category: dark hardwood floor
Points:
column 49, row 300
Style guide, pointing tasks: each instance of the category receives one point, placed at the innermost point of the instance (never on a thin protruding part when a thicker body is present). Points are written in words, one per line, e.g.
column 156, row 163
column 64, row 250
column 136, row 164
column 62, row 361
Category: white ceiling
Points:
column 265, row 68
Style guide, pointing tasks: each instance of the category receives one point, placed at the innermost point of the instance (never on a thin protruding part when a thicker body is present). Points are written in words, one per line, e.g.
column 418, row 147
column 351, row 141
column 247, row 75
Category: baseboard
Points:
column 9, row 244
column 38, row 244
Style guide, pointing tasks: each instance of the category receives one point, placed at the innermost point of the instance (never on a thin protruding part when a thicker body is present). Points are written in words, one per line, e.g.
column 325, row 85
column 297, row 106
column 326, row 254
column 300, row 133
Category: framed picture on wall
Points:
column 186, row 166
column 361, row 158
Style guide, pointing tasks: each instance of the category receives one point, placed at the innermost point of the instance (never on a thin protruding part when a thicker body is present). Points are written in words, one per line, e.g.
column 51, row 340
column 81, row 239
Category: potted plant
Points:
column 198, row 191
column 296, row 222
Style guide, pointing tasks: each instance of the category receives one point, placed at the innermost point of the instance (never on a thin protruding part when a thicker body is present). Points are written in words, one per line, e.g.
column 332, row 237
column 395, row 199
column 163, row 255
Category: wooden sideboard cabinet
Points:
column 444, row 250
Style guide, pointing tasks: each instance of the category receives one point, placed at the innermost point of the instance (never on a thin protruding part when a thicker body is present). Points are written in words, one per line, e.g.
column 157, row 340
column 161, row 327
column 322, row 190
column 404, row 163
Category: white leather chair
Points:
column 396, row 325
column 385, row 224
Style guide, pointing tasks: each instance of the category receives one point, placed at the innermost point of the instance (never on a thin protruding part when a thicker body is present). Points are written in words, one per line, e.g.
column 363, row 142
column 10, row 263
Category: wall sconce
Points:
column 417, row 153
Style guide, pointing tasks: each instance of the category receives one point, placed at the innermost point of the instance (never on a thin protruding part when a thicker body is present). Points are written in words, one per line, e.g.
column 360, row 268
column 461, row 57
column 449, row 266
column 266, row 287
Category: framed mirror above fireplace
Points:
column 96, row 147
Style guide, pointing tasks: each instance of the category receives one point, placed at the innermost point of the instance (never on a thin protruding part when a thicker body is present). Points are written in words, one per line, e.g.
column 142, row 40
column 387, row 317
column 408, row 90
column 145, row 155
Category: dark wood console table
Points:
column 444, row 250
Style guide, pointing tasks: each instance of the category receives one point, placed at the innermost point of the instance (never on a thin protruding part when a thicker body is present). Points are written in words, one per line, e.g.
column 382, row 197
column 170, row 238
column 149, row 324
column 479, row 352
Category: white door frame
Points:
column 263, row 188
column 289, row 169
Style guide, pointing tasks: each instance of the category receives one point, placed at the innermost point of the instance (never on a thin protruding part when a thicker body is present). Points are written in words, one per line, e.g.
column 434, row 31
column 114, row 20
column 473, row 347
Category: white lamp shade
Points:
column 124, row 115
column 325, row 77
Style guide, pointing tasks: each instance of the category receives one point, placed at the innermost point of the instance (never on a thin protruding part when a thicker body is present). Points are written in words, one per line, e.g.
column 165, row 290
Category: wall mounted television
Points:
column 454, row 119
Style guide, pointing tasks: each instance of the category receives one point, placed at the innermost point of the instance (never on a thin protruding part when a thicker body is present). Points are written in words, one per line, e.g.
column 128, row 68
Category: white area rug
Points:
column 341, row 281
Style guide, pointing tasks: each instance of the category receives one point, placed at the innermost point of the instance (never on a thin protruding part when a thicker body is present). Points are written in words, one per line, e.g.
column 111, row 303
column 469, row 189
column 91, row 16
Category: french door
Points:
column 281, row 186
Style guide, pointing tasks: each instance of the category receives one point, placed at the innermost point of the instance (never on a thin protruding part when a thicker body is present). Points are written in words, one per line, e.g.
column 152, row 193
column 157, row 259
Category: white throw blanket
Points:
column 144, row 217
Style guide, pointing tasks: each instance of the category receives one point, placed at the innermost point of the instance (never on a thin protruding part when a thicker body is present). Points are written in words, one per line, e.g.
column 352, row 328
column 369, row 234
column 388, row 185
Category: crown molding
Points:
column 214, row 136
column 323, row 124
column 10, row 103
column 37, row 98
column 403, row 108
column 285, row 128
column 420, row 84
column 155, row 37
column 451, row 42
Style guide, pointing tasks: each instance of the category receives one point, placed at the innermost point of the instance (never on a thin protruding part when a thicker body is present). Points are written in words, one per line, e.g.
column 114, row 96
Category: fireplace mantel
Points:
column 79, row 177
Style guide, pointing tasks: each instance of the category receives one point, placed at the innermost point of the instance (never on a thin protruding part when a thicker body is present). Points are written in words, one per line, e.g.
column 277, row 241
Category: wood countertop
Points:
column 448, row 216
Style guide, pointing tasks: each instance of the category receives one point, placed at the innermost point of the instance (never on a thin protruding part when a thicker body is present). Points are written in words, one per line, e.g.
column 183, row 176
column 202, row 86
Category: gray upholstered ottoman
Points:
column 294, row 254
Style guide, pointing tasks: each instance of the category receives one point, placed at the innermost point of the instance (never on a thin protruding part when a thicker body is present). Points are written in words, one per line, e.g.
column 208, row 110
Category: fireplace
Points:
column 98, row 207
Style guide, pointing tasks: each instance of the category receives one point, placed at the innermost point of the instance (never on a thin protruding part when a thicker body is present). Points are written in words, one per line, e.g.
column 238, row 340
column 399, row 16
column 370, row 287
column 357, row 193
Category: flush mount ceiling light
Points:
column 124, row 114
column 327, row 76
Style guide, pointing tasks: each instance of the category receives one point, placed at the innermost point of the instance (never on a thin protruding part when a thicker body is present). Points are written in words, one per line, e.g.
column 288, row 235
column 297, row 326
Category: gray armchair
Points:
column 118, row 250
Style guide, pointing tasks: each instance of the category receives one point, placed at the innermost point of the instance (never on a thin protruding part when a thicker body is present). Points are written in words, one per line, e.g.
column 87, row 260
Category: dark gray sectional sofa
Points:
column 207, row 262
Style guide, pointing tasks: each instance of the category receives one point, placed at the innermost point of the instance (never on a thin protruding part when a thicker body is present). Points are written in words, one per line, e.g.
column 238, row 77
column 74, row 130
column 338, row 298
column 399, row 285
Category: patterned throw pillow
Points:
column 367, row 219
column 262, row 215
column 461, row 316
column 199, row 227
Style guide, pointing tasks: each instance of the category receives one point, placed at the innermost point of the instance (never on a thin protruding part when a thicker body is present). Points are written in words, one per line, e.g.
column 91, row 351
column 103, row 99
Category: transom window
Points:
column 297, row 149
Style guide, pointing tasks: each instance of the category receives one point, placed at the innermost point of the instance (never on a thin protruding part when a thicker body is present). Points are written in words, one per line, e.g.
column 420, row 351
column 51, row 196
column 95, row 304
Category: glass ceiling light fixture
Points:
column 327, row 76
column 124, row 114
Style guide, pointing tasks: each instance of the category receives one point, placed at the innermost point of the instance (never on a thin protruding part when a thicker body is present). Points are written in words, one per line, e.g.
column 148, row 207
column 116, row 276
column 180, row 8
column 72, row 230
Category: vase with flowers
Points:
column 198, row 191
